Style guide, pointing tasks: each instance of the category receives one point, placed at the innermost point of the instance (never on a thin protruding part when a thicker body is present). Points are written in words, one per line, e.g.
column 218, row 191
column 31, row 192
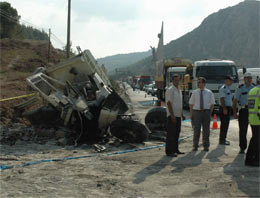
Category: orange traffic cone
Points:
column 215, row 122
column 162, row 104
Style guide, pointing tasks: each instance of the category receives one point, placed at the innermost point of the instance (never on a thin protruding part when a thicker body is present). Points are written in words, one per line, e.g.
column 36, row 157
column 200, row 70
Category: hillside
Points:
column 231, row 33
column 18, row 59
column 122, row 60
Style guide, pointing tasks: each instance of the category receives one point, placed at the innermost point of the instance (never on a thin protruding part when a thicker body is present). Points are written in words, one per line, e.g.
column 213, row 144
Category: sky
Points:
column 109, row 27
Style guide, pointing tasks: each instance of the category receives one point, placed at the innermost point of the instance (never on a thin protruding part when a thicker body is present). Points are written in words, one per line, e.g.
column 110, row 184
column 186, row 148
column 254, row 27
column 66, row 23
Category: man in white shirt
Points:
column 201, row 106
column 174, row 114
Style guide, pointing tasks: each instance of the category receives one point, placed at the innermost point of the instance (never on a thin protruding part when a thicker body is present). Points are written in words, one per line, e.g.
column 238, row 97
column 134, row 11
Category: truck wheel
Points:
column 156, row 118
column 129, row 131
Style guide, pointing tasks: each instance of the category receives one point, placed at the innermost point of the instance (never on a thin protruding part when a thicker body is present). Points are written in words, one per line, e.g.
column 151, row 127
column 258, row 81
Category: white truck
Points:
column 214, row 70
column 255, row 72
column 172, row 71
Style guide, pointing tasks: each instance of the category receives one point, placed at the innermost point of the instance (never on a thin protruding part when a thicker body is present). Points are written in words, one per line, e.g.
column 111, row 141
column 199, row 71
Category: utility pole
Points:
column 49, row 45
column 68, row 31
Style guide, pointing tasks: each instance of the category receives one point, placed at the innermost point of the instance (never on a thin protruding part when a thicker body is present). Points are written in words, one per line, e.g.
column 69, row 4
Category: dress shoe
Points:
column 195, row 149
column 252, row 163
column 206, row 149
column 225, row 142
column 180, row 153
column 242, row 151
column 172, row 155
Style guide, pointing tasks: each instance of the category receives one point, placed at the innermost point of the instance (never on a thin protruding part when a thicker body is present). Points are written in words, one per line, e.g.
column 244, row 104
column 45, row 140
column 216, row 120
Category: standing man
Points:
column 174, row 114
column 225, row 96
column 201, row 106
column 252, row 154
column 241, row 98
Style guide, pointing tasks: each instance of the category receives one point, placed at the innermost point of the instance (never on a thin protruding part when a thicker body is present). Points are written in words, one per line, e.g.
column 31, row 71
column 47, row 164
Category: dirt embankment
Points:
column 18, row 59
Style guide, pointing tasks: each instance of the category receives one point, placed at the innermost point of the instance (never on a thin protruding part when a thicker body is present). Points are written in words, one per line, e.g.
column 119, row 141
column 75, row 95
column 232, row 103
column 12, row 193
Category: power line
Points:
column 16, row 20
column 57, row 39
column 9, row 18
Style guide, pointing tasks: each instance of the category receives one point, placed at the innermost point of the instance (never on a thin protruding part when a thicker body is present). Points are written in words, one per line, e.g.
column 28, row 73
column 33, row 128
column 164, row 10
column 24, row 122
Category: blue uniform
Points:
column 224, row 92
column 241, row 96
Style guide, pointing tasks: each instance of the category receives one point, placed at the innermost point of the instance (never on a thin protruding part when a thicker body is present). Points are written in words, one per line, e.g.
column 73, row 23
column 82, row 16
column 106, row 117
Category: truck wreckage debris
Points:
column 80, row 97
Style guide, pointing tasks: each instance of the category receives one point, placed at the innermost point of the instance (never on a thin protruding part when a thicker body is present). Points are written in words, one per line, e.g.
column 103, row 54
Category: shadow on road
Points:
column 151, row 170
column 247, row 178
column 215, row 154
column 192, row 159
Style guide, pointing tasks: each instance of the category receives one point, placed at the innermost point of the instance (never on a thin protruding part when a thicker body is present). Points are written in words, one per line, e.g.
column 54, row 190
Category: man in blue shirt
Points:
column 241, row 98
column 225, row 96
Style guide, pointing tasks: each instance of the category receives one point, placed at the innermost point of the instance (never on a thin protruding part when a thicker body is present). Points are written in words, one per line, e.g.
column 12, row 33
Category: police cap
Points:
column 247, row 75
column 229, row 78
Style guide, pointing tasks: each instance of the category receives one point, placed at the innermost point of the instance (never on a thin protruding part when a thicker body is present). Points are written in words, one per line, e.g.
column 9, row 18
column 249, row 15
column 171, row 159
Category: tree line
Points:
column 10, row 26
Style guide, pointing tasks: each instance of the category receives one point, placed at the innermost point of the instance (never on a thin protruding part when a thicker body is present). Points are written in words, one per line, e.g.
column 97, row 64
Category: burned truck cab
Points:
column 81, row 93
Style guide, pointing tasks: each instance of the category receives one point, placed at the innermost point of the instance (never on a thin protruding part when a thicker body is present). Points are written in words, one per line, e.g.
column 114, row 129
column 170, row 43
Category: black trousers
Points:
column 173, row 133
column 224, row 123
column 252, row 154
column 243, row 125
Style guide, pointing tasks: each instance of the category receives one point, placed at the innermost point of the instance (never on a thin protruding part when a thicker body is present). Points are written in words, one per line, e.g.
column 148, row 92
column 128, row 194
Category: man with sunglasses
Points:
column 201, row 106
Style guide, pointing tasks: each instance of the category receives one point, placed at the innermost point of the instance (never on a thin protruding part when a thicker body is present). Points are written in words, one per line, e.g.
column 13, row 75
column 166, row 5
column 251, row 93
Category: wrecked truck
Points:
column 79, row 96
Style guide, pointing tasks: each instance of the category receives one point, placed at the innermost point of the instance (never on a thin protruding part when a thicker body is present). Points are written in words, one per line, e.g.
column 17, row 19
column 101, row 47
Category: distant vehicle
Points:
column 139, row 81
column 169, row 66
column 172, row 71
column 144, row 80
column 255, row 72
column 145, row 88
column 149, row 88
column 154, row 91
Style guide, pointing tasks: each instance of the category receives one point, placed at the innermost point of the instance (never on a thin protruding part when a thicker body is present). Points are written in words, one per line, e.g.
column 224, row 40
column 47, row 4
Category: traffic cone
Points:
column 215, row 122
column 162, row 104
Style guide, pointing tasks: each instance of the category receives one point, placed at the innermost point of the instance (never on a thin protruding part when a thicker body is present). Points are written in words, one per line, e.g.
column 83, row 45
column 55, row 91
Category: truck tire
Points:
column 156, row 118
column 129, row 131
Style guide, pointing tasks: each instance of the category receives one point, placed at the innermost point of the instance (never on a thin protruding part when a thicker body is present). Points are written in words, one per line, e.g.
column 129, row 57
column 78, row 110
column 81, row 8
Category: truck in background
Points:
column 140, row 80
column 170, row 66
column 214, row 70
column 172, row 71
column 255, row 72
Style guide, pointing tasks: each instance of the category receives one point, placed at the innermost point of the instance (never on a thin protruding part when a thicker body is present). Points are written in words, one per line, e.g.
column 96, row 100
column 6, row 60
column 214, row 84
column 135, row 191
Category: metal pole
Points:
column 68, row 31
column 49, row 46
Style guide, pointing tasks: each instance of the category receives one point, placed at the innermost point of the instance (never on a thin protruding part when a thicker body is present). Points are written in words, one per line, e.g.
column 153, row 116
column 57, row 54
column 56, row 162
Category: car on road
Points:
column 154, row 91
column 145, row 88
column 149, row 88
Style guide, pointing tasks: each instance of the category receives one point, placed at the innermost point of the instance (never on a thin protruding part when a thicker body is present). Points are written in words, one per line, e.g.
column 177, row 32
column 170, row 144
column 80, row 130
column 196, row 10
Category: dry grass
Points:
column 18, row 59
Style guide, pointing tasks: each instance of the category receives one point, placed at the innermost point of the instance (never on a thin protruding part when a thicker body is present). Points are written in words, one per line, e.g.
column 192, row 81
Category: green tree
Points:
column 9, row 19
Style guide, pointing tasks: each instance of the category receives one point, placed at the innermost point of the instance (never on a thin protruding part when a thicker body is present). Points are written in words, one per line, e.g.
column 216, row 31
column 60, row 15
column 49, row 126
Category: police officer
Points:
column 225, row 96
column 252, row 155
column 241, row 98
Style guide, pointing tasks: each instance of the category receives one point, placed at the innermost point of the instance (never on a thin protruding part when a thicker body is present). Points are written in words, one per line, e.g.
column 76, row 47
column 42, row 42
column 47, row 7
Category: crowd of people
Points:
column 246, row 99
